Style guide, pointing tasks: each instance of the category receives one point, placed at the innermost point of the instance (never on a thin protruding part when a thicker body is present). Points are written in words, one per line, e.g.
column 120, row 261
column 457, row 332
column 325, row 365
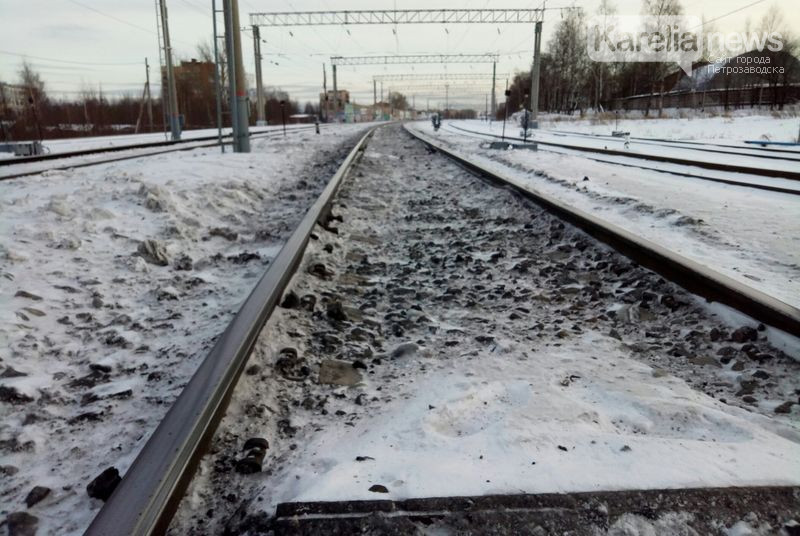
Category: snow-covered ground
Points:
column 99, row 142
column 736, row 126
column 750, row 235
column 452, row 339
column 115, row 281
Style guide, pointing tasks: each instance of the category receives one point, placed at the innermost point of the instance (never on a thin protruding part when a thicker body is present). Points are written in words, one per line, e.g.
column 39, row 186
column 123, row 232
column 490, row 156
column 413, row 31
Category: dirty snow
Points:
column 492, row 350
column 750, row 235
column 115, row 281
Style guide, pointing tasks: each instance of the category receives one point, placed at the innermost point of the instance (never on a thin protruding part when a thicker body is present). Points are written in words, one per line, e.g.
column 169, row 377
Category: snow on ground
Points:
column 750, row 235
column 735, row 126
column 115, row 281
column 99, row 142
column 452, row 339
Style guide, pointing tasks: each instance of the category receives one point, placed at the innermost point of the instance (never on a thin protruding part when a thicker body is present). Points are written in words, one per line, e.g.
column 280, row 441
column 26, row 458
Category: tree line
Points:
column 93, row 112
column 571, row 83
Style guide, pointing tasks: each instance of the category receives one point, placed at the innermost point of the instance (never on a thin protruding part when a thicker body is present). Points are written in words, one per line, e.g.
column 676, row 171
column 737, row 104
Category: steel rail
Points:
column 198, row 145
column 149, row 494
column 116, row 148
column 716, row 166
column 685, row 272
column 705, row 147
column 756, row 186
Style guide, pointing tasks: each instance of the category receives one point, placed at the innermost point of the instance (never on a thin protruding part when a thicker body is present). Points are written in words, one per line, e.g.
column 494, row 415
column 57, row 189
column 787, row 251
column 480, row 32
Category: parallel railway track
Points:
column 686, row 164
column 144, row 150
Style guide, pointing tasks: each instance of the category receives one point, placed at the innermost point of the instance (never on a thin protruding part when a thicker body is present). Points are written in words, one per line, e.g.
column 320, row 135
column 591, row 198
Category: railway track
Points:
column 760, row 152
column 410, row 274
column 143, row 150
column 789, row 175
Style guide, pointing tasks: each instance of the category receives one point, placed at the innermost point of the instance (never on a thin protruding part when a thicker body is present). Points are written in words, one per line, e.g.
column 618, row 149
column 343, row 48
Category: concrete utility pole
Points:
column 260, row 120
column 374, row 92
column 324, row 94
column 537, row 61
column 335, row 96
column 149, row 96
column 174, row 116
column 494, row 89
column 239, row 104
column 226, row 12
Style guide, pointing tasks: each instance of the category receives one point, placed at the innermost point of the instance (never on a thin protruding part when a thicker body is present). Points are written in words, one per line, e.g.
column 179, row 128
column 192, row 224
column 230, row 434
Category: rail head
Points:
column 151, row 490
column 691, row 275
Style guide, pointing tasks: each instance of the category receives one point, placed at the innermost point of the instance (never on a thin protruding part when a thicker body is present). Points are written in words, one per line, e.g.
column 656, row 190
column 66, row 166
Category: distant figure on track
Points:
column 437, row 122
column 316, row 123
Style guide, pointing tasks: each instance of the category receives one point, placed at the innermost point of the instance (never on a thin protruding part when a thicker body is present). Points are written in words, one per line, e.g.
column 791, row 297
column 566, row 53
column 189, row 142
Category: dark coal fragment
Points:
column 36, row 495
column 336, row 311
column 22, row 524
column 255, row 450
column 378, row 488
column 290, row 300
column 744, row 334
column 12, row 396
column 104, row 485
column 10, row 372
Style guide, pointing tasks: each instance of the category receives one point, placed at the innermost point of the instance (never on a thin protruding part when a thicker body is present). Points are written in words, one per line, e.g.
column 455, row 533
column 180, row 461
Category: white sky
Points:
column 114, row 50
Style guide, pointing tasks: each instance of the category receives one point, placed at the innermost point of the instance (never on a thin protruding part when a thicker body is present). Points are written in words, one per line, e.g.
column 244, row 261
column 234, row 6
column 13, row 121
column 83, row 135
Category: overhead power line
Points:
column 112, row 17
column 71, row 62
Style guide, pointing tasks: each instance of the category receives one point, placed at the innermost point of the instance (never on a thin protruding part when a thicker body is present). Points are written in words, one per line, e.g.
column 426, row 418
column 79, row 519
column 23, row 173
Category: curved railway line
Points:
column 150, row 492
column 143, row 149
column 677, row 172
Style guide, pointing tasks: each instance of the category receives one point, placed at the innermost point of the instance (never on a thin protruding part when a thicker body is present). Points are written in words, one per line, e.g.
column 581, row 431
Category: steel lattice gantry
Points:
column 398, row 16
column 414, row 59
column 462, row 88
column 434, row 77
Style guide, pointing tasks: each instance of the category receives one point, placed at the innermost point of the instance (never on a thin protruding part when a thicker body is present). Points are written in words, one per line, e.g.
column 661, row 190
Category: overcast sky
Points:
column 75, row 43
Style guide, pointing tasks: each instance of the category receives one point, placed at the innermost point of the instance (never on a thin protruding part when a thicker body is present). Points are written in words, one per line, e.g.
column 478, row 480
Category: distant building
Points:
column 194, row 85
column 13, row 98
column 326, row 104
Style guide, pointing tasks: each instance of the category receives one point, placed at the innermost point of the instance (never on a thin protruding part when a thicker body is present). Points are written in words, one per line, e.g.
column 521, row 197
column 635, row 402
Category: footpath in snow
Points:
column 450, row 338
column 115, row 281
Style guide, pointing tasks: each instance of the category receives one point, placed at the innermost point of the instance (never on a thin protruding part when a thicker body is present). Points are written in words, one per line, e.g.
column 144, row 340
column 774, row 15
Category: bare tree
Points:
column 397, row 100
column 205, row 52
column 570, row 61
column 783, row 65
column 660, row 10
column 601, row 71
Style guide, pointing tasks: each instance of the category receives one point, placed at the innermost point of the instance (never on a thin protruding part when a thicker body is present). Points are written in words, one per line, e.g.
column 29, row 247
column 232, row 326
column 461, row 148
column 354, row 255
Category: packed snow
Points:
column 750, row 235
column 66, row 145
column 446, row 337
column 734, row 126
column 115, row 281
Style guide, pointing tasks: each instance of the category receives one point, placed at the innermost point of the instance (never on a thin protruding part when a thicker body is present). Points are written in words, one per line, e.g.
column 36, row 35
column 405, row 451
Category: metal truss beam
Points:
column 415, row 59
column 442, row 85
column 432, row 77
column 397, row 16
